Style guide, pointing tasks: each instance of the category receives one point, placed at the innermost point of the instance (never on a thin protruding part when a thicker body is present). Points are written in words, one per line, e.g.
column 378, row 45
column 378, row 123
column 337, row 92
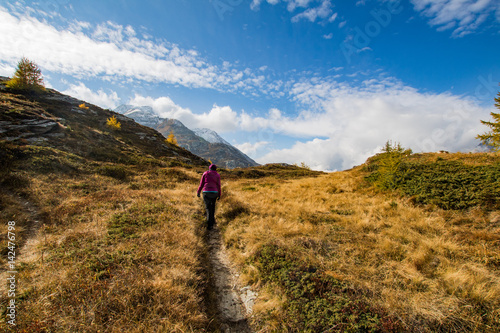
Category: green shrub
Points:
column 114, row 171
column 452, row 184
column 125, row 225
column 315, row 301
column 444, row 183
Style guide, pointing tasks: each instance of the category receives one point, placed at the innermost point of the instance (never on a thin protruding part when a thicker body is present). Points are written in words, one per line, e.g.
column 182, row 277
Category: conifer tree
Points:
column 492, row 138
column 27, row 76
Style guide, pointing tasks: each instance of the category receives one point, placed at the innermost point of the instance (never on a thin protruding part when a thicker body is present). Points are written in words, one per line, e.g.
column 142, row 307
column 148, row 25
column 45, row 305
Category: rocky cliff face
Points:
column 202, row 142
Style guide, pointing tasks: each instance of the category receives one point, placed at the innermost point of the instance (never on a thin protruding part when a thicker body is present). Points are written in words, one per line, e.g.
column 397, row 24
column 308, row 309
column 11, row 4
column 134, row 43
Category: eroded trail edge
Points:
column 234, row 303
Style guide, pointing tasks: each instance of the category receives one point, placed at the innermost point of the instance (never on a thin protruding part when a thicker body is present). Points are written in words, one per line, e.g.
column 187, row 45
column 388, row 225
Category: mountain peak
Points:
column 144, row 115
column 209, row 135
column 203, row 142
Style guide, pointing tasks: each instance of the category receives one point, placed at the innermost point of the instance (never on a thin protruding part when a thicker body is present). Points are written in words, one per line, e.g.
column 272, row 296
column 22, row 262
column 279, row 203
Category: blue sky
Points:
column 323, row 82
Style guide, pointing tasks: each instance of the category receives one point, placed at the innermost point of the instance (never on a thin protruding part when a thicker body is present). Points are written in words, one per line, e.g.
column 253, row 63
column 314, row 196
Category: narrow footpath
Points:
column 234, row 304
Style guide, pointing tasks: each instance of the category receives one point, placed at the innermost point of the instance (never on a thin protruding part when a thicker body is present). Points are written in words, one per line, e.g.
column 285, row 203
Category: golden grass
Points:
column 127, row 254
column 435, row 270
column 90, row 268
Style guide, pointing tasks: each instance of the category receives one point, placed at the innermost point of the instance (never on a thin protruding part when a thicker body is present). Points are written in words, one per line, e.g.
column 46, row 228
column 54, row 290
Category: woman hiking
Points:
column 210, row 185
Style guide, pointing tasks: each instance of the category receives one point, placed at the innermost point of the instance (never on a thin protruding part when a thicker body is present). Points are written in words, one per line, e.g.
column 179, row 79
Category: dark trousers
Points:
column 210, row 199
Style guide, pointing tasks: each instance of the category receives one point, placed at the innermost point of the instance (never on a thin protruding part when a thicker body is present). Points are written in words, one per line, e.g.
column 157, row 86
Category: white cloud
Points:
column 6, row 69
column 220, row 119
column 251, row 149
column 317, row 154
column 75, row 53
column 465, row 16
column 114, row 52
column 311, row 14
column 323, row 11
column 341, row 125
column 348, row 124
column 255, row 5
column 293, row 4
column 99, row 98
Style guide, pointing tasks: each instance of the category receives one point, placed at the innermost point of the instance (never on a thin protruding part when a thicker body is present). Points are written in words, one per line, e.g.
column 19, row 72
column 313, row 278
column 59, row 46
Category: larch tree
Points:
column 113, row 123
column 27, row 76
column 171, row 138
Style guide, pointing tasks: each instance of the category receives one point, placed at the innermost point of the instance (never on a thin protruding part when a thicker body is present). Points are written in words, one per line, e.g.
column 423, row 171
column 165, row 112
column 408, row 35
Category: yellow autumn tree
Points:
column 113, row 123
column 171, row 138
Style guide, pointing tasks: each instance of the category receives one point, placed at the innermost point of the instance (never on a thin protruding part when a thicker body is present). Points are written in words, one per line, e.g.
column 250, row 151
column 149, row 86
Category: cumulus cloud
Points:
column 251, row 149
column 348, row 124
column 99, row 98
column 464, row 16
column 220, row 119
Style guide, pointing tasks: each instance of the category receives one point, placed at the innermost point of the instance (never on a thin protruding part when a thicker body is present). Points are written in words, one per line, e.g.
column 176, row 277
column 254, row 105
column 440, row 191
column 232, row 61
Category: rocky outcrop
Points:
column 27, row 128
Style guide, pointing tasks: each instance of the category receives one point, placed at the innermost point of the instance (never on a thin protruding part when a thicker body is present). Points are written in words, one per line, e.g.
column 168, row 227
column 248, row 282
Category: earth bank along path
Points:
column 234, row 304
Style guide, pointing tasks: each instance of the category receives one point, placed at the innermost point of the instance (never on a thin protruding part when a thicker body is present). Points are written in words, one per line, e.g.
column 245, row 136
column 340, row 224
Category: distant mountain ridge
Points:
column 144, row 115
column 203, row 142
column 210, row 136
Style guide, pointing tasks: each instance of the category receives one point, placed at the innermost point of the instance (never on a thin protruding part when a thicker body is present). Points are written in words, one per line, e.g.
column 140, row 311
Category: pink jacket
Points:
column 210, row 182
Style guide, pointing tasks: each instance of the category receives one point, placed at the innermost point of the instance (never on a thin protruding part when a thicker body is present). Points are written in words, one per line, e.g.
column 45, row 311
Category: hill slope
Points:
column 55, row 120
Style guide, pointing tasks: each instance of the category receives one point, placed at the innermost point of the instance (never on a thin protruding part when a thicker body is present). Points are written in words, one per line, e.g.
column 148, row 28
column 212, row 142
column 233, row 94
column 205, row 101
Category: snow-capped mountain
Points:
column 144, row 115
column 201, row 141
column 209, row 135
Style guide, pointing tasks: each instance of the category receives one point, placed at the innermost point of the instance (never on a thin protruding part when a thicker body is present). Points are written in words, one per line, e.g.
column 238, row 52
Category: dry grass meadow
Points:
column 112, row 255
column 414, row 268
column 122, row 249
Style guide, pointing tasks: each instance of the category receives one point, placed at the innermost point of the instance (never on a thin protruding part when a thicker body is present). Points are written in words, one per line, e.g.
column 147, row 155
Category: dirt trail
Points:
column 234, row 304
